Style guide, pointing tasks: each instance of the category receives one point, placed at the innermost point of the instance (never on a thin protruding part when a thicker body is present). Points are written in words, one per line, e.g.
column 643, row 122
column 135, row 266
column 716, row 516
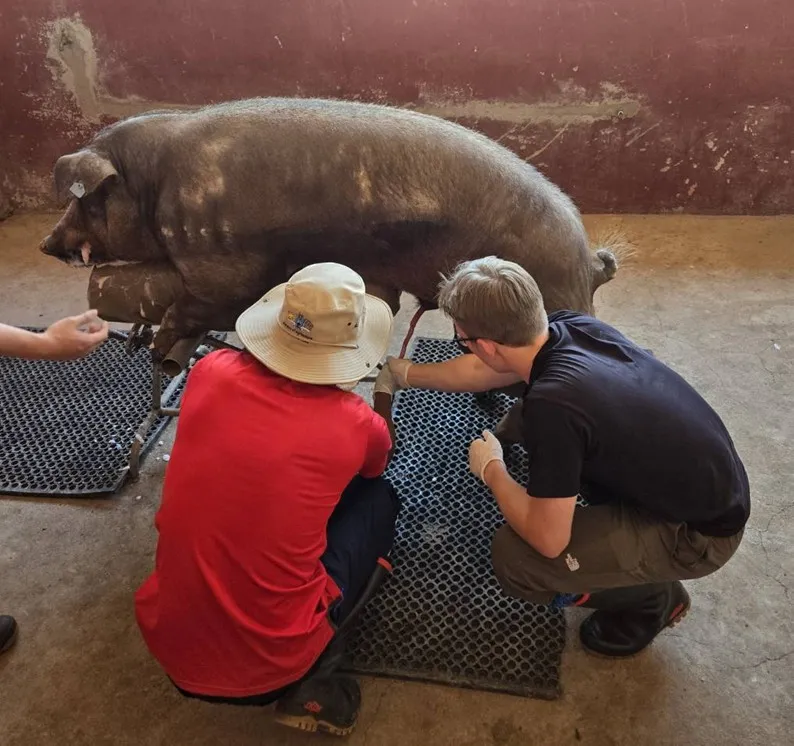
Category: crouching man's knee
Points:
column 518, row 568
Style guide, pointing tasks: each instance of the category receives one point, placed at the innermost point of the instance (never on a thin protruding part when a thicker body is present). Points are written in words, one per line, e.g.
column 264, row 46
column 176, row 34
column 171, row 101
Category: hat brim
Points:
column 260, row 332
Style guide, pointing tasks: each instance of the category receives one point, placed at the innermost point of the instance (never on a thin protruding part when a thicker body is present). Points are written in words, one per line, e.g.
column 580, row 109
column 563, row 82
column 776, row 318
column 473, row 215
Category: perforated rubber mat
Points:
column 441, row 616
column 66, row 427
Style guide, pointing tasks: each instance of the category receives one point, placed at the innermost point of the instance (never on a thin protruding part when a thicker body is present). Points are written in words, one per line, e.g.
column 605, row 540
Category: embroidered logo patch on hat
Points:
column 299, row 324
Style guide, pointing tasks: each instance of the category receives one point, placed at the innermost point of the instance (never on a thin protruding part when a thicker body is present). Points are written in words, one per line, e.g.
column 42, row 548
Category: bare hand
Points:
column 74, row 336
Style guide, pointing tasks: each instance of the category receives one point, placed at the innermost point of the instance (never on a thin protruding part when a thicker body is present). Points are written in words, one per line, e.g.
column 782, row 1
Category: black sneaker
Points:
column 622, row 632
column 8, row 632
column 329, row 705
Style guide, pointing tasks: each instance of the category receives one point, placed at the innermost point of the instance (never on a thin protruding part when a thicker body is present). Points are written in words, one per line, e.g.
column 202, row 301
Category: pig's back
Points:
column 307, row 161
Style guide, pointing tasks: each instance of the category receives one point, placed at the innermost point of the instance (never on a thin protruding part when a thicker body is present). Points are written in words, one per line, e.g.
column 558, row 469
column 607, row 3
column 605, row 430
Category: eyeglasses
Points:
column 461, row 341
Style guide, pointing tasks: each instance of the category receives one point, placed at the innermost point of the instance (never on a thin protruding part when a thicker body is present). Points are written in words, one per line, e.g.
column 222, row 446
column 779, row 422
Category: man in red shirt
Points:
column 275, row 521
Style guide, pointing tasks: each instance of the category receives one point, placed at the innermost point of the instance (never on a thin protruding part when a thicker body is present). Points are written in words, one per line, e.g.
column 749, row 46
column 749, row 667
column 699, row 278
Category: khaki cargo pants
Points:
column 611, row 546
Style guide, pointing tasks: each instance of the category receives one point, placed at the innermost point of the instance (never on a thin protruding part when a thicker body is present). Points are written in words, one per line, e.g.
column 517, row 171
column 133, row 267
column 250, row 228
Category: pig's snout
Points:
column 79, row 256
column 54, row 245
column 49, row 246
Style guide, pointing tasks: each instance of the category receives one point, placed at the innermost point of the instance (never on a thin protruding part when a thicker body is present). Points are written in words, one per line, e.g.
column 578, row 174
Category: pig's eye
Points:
column 94, row 209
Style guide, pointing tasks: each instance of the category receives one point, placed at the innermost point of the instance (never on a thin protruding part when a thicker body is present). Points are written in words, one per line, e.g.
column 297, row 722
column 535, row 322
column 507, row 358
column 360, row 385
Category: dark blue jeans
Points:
column 360, row 532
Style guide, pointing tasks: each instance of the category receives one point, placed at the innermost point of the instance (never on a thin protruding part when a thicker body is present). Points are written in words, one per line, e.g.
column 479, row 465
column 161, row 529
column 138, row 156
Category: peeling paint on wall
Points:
column 25, row 192
column 610, row 100
column 6, row 210
column 570, row 106
column 74, row 65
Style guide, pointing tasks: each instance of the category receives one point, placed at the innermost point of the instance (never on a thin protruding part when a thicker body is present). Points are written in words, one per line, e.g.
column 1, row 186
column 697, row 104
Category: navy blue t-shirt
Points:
column 605, row 419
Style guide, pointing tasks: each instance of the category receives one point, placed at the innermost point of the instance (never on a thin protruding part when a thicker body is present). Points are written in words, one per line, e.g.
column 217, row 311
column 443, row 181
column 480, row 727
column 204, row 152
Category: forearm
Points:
column 511, row 497
column 382, row 404
column 516, row 506
column 15, row 342
column 466, row 373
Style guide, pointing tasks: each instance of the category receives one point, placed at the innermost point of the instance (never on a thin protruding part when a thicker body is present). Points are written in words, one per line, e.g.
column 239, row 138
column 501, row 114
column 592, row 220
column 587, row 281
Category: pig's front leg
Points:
column 215, row 297
column 188, row 318
column 180, row 321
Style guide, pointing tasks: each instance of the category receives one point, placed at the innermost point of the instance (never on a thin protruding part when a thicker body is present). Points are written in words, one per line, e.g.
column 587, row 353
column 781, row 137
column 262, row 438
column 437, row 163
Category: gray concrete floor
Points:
column 711, row 296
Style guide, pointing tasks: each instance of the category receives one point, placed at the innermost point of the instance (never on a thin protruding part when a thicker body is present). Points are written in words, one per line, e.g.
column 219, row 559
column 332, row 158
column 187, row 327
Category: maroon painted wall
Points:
column 630, row 105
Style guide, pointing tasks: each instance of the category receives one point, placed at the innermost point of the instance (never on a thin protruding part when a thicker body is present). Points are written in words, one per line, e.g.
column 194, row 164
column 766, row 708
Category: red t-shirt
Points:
column 237, row 604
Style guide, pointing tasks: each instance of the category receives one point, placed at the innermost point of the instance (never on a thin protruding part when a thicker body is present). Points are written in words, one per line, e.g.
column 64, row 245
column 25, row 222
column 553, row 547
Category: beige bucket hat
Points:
column 320, row 327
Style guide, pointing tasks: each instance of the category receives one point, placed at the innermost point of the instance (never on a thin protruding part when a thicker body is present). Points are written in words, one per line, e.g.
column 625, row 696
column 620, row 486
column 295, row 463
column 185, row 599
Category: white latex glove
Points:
column 399, row 368
column 482, row 451
column 385, row 383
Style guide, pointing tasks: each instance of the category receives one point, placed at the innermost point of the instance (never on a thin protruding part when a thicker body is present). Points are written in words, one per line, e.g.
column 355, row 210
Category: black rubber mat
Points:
column 66, row 427
column 442, row 617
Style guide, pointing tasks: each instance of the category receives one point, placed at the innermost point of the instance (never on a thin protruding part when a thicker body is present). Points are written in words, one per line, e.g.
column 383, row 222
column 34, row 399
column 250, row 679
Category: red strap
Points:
column 411, row 329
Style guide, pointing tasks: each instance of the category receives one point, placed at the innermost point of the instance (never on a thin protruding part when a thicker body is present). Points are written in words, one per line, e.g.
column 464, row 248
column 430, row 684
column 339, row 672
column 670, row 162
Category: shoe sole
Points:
column 311, row 725
column 678, row 613
column 10, row 641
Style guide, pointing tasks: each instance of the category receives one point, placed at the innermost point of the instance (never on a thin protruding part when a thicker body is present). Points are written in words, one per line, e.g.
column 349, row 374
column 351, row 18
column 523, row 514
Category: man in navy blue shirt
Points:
column 667, row 494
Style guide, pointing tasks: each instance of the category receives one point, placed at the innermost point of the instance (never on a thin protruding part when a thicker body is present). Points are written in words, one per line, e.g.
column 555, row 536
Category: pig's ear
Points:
column 81, row 173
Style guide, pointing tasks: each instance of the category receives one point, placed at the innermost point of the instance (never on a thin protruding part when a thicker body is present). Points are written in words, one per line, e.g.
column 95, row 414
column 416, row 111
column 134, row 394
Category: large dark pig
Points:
column 235, row 196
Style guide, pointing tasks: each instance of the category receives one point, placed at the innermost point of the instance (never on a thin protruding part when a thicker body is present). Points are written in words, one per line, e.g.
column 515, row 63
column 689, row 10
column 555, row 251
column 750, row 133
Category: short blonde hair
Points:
column 492, row 298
